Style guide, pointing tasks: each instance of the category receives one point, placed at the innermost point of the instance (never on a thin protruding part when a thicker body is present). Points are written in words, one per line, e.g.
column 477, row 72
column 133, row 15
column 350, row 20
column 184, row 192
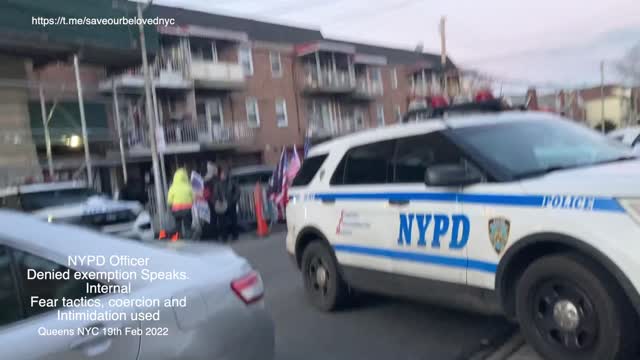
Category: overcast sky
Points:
column 560, row 41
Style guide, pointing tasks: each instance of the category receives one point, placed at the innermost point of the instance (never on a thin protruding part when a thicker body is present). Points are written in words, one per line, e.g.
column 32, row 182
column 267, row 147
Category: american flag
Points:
column 278, row 183
column 294, row 165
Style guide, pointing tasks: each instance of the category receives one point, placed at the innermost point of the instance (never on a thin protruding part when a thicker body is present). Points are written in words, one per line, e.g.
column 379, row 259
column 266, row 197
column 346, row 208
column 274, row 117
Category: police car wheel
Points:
column 323, row 284
column 568, row 308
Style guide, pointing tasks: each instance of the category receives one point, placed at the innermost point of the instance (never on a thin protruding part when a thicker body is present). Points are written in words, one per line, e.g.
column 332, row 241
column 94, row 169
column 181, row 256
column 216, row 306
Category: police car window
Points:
column 415, row 154
column 39, row 200
column 10, row 309
column 309, row 168
column 10, row 202
column 531, row 147
column 47, row 289
column 367, row 164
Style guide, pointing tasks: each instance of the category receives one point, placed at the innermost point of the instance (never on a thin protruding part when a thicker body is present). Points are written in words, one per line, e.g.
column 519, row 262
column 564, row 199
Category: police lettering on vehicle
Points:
column 459, row 225
column 576, row 202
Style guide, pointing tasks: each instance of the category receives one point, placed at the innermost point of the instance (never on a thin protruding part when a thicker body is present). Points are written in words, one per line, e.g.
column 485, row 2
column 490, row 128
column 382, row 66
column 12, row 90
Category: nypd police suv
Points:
column 523, row 213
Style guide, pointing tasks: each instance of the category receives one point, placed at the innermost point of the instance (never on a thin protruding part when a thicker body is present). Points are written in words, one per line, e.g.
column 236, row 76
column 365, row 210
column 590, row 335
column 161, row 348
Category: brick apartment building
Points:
column 237, row 90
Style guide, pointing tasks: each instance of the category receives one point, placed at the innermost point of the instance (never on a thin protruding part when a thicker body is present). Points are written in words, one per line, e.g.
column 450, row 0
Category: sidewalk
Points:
column 515, row 349
column 525, row 352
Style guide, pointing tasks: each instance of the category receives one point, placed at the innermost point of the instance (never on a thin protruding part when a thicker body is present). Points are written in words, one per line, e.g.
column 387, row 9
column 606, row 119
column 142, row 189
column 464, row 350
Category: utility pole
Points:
column 45, row 127
column 443, row 54
column 83, row 122
column 602, row 96
column 157, row 181
column 116, row 110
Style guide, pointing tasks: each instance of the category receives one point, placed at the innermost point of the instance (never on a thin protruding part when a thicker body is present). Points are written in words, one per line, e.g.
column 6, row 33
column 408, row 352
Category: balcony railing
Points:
column 329, row 81
column 217, row 74
column 174, row 68
column 368, row 89
column 323, row 129
column 187, row 133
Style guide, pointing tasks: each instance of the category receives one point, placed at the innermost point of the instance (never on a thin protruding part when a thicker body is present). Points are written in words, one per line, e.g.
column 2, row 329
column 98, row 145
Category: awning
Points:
column 204, row 32
column 65, row 122
column 367, row 59
column 424, row 65
column 310, row 48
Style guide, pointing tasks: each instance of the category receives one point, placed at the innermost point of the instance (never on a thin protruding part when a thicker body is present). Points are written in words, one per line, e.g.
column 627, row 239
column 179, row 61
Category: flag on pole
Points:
column 275, row 183
column 307, row 146
column 282, row 193
column 294, row 166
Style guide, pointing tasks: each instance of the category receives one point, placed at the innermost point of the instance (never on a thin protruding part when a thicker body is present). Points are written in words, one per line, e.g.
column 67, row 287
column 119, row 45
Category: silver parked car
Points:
column 223, row 316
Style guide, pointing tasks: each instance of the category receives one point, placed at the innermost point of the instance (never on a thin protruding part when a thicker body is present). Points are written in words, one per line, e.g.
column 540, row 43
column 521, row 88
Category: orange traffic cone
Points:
column 175, row 237
column 163, row 235
column 263, row 228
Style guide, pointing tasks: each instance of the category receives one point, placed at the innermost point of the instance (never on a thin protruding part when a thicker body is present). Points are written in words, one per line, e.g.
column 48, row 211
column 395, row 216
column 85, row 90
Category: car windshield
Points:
column 44, row 199
column 538, row 146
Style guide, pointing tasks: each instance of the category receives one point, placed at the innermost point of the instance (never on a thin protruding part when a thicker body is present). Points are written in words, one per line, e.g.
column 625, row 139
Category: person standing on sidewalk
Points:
column 212, row 194
column 180, row 200
column 231, row 192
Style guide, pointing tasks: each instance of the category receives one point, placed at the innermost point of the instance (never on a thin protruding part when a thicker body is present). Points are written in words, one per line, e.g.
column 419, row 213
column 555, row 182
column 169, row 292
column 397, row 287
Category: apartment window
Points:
column 205, row 50
column 380, row 115
column 209, row 112
column 281, row 113
column 253, row 114
column 394, row 78
column 276, row 64
column 246, row 59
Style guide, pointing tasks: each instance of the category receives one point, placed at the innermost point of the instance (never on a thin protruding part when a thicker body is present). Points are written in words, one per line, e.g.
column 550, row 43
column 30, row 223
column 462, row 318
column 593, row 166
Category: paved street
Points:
column 374, row 328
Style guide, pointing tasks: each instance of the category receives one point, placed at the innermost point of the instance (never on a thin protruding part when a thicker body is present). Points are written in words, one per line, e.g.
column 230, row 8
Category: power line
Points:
column 369, row 11
column 286, row 9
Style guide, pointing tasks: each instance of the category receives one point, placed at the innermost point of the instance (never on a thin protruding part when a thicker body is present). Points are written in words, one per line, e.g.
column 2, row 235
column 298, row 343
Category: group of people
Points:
column 221, row 194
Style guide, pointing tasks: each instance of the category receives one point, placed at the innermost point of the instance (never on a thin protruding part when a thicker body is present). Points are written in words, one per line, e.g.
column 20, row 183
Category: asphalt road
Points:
column 374, row 327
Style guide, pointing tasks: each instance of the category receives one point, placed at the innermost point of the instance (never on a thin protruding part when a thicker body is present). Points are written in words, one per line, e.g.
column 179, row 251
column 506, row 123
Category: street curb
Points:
column 508, row 348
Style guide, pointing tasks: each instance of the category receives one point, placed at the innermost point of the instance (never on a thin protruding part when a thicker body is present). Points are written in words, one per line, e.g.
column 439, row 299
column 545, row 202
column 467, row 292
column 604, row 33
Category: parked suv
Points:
column 75, row 203
column 525, row 214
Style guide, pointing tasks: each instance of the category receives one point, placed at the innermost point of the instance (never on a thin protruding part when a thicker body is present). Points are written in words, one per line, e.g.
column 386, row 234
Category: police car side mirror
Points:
column 451, row 175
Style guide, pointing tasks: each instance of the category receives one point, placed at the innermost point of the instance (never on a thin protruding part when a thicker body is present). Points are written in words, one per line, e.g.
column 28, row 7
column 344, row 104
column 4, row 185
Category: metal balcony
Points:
column 367, row 90
column 174, row 68
column 217, row 75
column 329, row 82
column 190, row 137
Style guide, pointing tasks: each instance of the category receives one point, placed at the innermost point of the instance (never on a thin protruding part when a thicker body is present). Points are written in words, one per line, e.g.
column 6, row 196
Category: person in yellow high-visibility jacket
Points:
column 180, row 200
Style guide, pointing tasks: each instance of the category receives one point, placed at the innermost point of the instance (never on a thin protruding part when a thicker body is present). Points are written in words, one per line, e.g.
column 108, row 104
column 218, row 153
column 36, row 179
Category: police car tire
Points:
column 337, row 290
column 614, row 318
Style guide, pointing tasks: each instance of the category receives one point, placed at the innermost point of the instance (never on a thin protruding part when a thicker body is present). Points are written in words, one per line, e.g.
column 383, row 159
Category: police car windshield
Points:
column 44, row 199
column 534, row 147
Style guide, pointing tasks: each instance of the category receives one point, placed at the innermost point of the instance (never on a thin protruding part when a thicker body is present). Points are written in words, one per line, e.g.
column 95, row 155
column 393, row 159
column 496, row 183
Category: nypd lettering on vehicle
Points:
column 458, row 224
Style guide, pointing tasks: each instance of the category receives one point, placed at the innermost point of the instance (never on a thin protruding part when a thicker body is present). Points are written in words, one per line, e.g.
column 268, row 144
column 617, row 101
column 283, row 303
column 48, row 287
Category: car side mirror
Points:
column 451, row 175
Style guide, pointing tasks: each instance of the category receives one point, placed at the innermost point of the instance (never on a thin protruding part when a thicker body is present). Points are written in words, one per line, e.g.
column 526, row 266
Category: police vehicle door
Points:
column 362, row 231
column 432, row 231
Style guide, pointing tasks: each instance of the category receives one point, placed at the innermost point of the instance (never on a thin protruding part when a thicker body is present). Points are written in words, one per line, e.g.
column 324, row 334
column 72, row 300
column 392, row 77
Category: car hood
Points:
column 614, row 179
column 93, row 205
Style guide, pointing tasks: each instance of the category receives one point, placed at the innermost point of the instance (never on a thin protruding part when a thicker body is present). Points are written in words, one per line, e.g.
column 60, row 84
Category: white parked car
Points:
column 629, row 136
column 74, row 203
column 224, row 316
column 526, row 214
